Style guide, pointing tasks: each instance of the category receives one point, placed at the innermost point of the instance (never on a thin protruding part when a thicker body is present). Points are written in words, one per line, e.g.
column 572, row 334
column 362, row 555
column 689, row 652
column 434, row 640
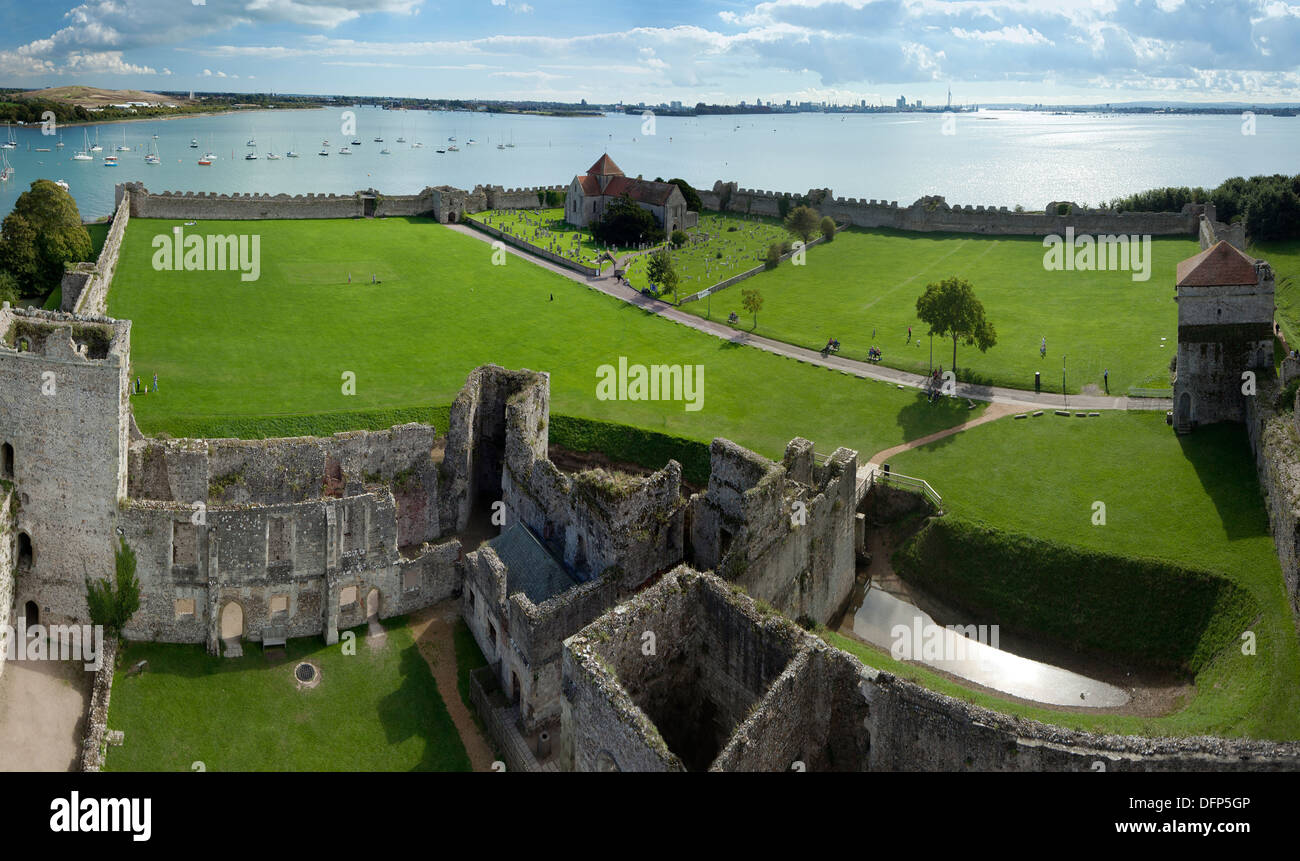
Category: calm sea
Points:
column 991, row 158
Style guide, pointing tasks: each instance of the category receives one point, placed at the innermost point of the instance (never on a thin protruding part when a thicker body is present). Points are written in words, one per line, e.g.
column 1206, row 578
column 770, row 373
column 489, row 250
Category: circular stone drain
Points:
column 307, row 675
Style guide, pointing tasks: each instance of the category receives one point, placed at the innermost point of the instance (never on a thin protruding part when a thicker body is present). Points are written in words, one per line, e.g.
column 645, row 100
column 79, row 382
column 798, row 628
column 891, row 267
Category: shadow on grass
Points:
column 416, row 710
column 922, row 418
column 1220, row 454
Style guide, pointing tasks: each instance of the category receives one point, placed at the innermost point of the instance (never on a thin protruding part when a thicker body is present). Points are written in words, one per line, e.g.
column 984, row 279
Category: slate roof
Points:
column 1219, row 265
column 529, row 567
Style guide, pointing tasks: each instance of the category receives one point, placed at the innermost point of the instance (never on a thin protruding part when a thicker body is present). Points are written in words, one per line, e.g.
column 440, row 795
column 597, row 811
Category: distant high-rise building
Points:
column 920, row 104
column 677, row 106
column 950, row 96
column 901, row 102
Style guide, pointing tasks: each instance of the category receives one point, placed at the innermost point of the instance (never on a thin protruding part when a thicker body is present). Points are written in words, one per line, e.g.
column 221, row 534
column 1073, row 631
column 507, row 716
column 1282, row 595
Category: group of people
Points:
column 874, row 354
column 832, row 346
column 143, row 388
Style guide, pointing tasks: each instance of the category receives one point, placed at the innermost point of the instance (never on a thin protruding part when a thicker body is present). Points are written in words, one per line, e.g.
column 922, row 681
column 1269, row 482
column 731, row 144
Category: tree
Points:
column 692, row 196
column 828, row 228
column 952, row 311
column 8, row 288
column 802, row 222
column 752, row 301
column 626, row 224
column 773, row 257
column 660, row 271
column 679, row 238
column 41, row 234
column 112, row 604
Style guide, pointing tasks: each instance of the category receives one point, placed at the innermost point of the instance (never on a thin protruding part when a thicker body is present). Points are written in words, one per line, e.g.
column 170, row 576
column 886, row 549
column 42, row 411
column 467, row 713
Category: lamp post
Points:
column 1063, row 394
column 932, row 353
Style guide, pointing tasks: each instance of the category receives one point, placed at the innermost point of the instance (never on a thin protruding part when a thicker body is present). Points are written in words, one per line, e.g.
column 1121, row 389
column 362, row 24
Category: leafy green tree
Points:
column 626, row 224
column 952, row 311
column 752, row 301
column 803, row 222
column 692, row 196
column 679, row 238
column 773, row 256
column 113, row 603
column 660, row 271
column 41, row 234
column 8, row 288
column 828, row 228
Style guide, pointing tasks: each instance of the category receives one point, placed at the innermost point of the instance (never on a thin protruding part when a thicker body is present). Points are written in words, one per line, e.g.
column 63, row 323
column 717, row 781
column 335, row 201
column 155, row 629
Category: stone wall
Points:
column 1212, row 231
column 784, row 532
column 7, row 564
column 1275, row 441
column 518, row 198
column 85, row 287
column 538, row 251
column 935, row 214
column 757, row 270
column 101, row 690
column 64, row 410
column 811, row 707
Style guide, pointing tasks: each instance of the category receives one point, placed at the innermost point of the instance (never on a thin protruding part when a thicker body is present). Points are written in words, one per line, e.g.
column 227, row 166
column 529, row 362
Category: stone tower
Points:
column 64, row 432
column 1225, row 328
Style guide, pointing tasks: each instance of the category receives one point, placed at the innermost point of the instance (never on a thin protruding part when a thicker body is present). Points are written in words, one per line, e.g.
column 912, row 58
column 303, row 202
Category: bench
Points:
column 273, row 638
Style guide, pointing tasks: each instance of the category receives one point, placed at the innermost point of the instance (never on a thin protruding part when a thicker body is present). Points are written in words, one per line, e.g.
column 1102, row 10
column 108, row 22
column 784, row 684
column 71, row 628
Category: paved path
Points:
column 42, row 713
column 992, row 394
column 867, row 470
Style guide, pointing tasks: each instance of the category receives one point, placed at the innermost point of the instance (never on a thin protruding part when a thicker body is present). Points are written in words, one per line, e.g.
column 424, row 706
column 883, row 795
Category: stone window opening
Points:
column 410, row 580
column 6, row 461
column 185, row 543
column 348, row 596
column 492, row 635
column 278, row 539
column 184, row 608
column 25, row 552
column 279, row 605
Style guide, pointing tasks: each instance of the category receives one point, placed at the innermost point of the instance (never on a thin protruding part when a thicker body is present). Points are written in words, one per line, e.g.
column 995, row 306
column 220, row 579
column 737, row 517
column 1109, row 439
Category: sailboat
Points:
column 271, row 156
column 59, row 145
column 123, row 147
column 345, row 150
column 194, row 143
column 385, row 151
column 84, row 153
column 11, row 143
column 152, row 157
column 208, row 157
column 252, row 140
column 96, row 147
column 110, row 161
column 511, row 144
column 291, row 154
column 6, row 169
column 252, row 155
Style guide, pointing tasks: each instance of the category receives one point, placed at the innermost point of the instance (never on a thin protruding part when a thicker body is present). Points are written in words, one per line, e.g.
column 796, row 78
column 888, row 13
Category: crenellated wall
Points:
column 933, row 213
column 85, row 286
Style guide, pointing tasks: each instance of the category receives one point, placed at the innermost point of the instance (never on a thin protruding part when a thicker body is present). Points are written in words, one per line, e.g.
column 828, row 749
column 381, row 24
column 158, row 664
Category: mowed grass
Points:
column 1192, row 499
column 274, row 352
column 869, row 280
column 544, row 228
column 1285, row 259
column 376, row 710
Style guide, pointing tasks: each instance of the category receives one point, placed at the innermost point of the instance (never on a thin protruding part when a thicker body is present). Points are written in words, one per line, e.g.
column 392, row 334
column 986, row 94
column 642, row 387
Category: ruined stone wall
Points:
column 239, row 207
column 85, row 288
column 1275, row 441
column 935, row 214
column 451, row 204
column 101, row 690
column 785, row 533
column 1212, row 232
column 64, row 409
column 476, row 449
column 7, row 563
column 820, row 707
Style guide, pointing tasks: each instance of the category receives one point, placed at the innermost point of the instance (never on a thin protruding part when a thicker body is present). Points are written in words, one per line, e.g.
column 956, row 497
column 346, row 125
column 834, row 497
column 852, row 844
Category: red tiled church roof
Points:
column 1219, row 265
column 604, row 166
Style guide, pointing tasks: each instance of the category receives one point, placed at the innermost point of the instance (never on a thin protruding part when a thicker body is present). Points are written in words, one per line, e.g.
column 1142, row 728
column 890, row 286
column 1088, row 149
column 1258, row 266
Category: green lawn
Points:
column 372, row 711
column 869, row 280
column 271, row 354
column 544, row 228
column 1193, row 500
column 1285, row 259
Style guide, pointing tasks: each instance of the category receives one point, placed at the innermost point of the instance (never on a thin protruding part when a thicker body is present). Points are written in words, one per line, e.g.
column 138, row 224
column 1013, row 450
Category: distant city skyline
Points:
column 837, row 51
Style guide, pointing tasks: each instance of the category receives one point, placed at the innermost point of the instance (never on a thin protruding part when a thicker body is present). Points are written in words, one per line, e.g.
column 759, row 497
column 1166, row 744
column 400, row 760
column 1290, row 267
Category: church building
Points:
column 604, row 182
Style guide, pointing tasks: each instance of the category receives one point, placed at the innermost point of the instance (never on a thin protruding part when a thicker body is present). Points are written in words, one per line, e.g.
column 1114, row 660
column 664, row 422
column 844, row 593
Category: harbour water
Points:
column 998, row 158
column 888, row 621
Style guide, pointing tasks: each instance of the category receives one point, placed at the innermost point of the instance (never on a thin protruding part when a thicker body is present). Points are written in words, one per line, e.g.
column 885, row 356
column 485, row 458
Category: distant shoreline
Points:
column 172, row 117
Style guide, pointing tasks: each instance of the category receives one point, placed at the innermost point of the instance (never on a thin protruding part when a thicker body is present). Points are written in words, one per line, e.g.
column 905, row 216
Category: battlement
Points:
column 65, row 337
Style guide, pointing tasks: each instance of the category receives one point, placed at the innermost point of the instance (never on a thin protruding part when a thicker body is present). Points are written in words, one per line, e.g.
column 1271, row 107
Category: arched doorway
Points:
column 232, row 621
column 372, row 604
column 31, row 613
column 25, row 553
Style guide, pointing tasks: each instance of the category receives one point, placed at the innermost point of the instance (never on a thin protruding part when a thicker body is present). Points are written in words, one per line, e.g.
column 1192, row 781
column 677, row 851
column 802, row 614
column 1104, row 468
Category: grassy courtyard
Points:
column 1192, row 500
column 268, row 357
column 543, row 228
column 868, row 281
column 377, row 710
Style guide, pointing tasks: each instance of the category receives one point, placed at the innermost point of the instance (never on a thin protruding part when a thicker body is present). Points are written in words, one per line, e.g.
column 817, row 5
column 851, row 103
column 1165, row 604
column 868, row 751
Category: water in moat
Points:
column 908, row 632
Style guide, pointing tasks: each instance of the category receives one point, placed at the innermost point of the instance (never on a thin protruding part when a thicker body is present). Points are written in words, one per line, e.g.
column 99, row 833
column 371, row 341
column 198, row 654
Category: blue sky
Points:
column 1063, row 51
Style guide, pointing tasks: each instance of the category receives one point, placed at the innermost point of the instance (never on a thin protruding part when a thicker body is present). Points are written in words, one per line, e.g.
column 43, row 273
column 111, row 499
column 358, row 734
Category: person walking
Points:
column 1042, row 348
column 909, row 334
column 1105, row 376
column 155, row 382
